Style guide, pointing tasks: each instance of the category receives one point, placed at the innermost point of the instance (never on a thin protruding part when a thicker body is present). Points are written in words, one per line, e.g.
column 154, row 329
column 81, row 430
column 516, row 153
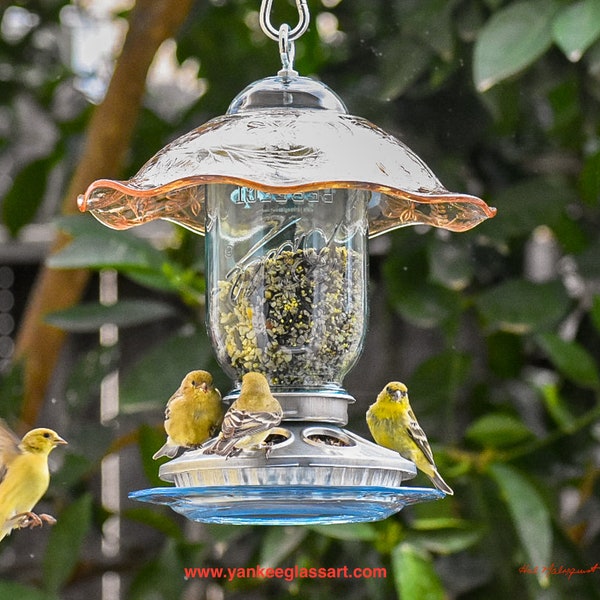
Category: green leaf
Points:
column 444, row 535
column 419, row 301
column 439, row 378
column 432, row 22
column 450, row 263
column 512, row 40
column 576, row 27
column 278, row 543
column 11, row 391
column 102, row 250
column 150, row 440
column 89, row 317
column 526, row 205
column 595, row 312
column 64, row 544
column 428, row 305
column 404, row 61
column 497, row 431
column 94, row 247
column 349, row 531
column 81, row 224
column 520, row 306
column 589, row 180
column 505, row 354
column 587, row 261
column 557, row 407
column 11, row 589
column 152, row 380
column 414, row 574
column 160, row 579
column 86, row 375
column 25, row 196
column 571, row 359
column 73, row 469
column 530, row 515
column 156, row 519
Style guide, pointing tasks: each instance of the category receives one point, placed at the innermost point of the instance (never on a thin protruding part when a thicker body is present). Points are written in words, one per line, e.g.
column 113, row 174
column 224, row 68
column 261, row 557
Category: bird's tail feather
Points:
column 166, row 450
column 440, row 484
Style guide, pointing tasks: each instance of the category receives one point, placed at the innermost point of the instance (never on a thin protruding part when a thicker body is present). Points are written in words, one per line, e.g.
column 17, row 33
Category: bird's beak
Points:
column 397, row 395
column 59, row 441
column 204, row 386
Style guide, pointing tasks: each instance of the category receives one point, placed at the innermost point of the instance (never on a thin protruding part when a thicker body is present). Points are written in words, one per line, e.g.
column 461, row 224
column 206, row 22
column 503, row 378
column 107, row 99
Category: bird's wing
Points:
column 240, row 423
column 9, row 447
column 419, row 437
column 177, row 395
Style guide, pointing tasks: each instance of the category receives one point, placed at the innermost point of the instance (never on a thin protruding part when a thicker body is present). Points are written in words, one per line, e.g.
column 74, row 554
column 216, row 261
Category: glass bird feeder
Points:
column 287, row 187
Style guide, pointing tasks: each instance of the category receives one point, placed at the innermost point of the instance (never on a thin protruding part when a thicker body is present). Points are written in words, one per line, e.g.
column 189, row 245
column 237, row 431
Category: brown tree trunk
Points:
column 107, row 141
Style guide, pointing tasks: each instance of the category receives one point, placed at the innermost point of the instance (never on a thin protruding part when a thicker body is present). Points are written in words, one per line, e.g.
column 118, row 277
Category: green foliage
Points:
column 577, row 27
column 415, row 575
column 531, row 516
column 186, row 349
column 497, row 430
column 520, row 306
column 571, row 359
column 65, row 543
column 11, row 589
column 502, row 361
column 91, row 316
column 512, row 40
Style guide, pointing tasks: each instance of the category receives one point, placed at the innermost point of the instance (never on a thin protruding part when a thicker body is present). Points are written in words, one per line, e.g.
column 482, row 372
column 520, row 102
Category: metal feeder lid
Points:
column 285, row 135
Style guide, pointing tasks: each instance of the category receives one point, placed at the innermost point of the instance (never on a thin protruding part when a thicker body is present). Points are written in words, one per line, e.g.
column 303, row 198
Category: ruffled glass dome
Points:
column 285, row 135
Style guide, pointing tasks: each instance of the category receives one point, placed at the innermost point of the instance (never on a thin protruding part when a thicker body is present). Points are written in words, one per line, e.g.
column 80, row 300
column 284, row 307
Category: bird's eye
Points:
column 46, row 435
column 194, row 383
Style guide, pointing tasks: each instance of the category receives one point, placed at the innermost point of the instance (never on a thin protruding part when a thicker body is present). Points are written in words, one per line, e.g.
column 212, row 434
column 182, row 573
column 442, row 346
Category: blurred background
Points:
column 495, row 331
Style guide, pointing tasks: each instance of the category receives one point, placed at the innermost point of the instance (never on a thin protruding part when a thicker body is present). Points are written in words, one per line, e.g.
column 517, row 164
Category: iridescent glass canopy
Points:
column 285, row 135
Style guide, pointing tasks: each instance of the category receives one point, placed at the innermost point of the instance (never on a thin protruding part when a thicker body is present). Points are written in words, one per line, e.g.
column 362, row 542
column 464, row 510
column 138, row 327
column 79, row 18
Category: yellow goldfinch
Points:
column 24, row 476
column 249, row 419
column 393, row 425
column 193, row 413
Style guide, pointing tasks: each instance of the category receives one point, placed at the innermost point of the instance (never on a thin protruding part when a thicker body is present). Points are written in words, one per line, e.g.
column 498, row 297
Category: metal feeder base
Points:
column 313, row 473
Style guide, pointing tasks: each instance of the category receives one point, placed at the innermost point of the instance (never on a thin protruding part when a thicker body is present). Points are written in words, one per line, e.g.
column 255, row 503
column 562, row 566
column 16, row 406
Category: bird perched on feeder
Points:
column 247, row 423
column 393, row 425
column 192, row 415
column 24, row 476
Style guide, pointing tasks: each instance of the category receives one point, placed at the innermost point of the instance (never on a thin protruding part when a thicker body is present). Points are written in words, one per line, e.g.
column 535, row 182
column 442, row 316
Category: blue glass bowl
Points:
column 289, row 505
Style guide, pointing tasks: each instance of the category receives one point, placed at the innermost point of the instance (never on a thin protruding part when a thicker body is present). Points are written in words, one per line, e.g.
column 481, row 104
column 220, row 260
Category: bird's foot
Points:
column 233, row 453
column 30, row 520
column 268, row 449
column 27, row 520
column 49, row 519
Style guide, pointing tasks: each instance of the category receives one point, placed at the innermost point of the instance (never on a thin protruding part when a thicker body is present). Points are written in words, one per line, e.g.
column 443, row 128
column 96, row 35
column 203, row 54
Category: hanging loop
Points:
column 273, row 32
column 286, row 50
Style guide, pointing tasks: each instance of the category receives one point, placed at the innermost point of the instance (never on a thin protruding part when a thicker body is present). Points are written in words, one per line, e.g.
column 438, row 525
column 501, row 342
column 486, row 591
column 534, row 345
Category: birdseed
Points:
column 297, row 316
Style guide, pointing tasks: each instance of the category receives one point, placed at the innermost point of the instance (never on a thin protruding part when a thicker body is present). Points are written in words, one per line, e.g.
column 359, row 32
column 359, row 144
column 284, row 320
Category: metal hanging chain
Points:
column 275, row 33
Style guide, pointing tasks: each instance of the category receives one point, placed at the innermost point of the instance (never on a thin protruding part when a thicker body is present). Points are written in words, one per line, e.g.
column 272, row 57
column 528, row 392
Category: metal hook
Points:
column 286, row 51
column 274, row 33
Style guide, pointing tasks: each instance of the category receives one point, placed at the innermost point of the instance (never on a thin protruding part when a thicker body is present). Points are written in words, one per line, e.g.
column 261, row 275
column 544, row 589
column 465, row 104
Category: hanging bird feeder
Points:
column 287, row 187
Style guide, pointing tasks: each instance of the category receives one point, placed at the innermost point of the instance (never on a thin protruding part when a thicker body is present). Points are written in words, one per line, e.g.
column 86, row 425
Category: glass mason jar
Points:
column 286, row 283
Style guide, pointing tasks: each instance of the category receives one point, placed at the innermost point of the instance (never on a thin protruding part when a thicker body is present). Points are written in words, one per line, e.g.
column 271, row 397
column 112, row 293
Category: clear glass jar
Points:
column 286, row 283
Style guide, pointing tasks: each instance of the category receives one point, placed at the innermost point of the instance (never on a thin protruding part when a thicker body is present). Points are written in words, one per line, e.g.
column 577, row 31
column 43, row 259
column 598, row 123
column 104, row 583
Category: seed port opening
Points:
column 278, row 436
column 321, row 436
